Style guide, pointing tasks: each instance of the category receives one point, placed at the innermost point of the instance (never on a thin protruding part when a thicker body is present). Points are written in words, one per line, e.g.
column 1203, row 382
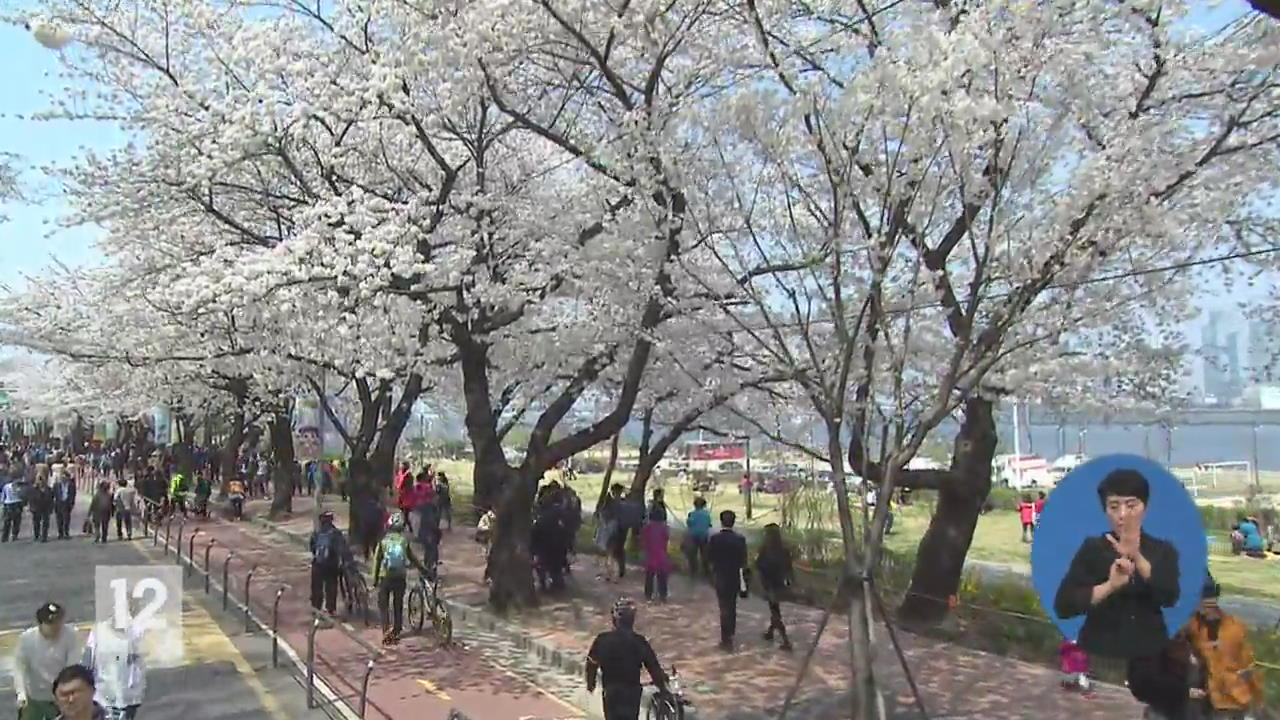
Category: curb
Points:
column 330, row 696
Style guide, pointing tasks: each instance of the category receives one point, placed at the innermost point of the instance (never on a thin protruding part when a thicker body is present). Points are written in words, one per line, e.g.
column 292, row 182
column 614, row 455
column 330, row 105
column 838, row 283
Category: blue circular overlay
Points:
column 1073, row 512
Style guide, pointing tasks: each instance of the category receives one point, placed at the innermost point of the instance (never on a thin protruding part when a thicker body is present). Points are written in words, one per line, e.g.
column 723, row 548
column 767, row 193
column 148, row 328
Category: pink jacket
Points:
column 1072, row 658
column 653, row 540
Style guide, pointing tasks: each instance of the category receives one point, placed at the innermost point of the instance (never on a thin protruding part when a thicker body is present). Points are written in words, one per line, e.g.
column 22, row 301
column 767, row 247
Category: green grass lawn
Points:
column 998, row 538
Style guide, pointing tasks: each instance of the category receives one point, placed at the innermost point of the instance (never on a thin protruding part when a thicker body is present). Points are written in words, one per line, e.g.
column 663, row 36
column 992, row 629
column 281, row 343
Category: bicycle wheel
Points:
column 360, row 591
column 441, row 621
column 662, row 709
column 415, row 608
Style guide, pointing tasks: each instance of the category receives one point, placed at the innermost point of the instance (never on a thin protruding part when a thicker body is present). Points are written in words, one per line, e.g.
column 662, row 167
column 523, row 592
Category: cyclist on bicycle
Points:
column 618, row 655
column 330, row 554
column 391, row 562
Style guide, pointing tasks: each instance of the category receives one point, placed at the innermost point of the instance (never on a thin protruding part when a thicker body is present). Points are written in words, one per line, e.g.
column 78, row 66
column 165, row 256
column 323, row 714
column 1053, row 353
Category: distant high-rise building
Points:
column 1224, row 377
column 1264, row 352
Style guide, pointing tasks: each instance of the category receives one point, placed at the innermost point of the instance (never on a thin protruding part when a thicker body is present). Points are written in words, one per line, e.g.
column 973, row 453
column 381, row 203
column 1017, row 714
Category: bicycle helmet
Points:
column 326, row 516
column 624, row 612
column 395, row 521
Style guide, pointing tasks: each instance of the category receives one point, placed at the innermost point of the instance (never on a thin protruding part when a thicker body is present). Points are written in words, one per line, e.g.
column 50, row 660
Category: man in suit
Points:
column 64, row 499
column 727, row 552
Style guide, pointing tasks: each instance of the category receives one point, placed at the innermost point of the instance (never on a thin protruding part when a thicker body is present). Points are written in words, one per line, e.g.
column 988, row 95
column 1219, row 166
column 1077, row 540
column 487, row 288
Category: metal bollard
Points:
column 248, row 579
column 226, row 565
column 364, row 687
column 168, row 533
column 275, row 633
column 155, row 539
column 207, row 548
column 182, row 525
column 191, row 551
column 311, row 663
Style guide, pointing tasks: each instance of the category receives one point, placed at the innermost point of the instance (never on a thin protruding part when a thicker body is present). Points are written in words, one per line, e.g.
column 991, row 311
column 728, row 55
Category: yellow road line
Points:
column 434, row 690
column 577, row 712
column 204, row 640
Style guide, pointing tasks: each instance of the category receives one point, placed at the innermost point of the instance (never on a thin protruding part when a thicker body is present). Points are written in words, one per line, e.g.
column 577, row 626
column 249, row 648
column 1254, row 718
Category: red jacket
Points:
column 404, row 490
column 1026, row 511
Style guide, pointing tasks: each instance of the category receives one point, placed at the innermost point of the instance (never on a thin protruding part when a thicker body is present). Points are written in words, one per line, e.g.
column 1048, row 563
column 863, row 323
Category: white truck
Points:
column 1022, row 471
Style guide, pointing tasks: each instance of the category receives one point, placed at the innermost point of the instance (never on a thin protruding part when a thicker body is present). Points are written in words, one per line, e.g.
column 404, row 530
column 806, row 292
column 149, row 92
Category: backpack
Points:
column 395, row 554
column 630, row 515
column 327, row 554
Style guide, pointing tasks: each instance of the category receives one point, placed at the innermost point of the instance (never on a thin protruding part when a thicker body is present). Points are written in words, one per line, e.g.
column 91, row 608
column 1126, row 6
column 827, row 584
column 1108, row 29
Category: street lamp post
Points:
column 1253, row 465
column 1168, row 448
column 1081, row 439
column 747, row 485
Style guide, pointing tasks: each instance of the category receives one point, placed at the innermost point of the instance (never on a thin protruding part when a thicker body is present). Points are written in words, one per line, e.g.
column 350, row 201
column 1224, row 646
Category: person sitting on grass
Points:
column 1246, row 538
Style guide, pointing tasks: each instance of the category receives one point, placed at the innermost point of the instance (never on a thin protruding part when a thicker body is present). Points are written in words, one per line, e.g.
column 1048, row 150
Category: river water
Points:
column 1182, row 446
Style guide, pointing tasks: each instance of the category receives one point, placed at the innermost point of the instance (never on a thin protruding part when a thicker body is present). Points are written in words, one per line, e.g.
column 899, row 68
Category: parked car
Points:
column 1066, row 464
column 774, row 484
column 1022, row 471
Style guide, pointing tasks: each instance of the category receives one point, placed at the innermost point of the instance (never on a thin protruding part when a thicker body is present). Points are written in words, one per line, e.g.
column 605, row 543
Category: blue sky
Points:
column 30, row 240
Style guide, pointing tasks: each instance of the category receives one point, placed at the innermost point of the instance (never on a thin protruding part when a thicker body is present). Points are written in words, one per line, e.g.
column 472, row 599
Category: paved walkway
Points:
column 418, row 679
column 224, row 675
column 751, row 684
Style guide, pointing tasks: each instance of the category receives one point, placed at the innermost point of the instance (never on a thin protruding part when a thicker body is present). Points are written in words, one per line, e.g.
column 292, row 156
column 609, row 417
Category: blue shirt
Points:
column 12, row 493
column 1252, row 538
column 698, row 523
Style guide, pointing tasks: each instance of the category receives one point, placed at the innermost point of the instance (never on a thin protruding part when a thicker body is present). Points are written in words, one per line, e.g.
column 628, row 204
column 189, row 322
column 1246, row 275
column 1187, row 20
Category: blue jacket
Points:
column 1252, row 538
column 698, row 523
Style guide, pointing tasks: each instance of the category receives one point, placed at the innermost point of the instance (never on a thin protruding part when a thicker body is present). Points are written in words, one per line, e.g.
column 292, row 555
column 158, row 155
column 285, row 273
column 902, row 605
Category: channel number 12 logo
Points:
column 145, row 601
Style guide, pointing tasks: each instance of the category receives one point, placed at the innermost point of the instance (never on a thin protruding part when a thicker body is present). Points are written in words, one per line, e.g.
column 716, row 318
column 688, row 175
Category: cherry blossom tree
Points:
column 961, row 193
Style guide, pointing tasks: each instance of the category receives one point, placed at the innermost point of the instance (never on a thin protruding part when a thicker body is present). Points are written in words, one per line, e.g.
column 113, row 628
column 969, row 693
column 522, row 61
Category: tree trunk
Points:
column 510, row 560
column 231, row 452
column 640, row 480
column 608, row 471
column 286, row 467
column 941, row 554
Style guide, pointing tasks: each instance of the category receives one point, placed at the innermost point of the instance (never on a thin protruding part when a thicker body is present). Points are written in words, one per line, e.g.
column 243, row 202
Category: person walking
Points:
column 42, row 652
column 330, row 553
column 391, row 562
column 235, row 494
column 1027, row 516
column 773, row 563
column 100, row 512
column 613, row 531
column 727, row 552
column 40, row 503
column 64, row 501
column 697, row 529
column 657, row 504
column 444, row 500
column 657, row 564
column 73, row 692
column 12, row 500
column 114, row 655
column 404, row 494
column 615, row 659
column 126, row 508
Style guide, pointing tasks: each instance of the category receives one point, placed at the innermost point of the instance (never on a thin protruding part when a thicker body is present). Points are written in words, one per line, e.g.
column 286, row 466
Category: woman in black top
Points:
column 1121, row 580
column 773, row 562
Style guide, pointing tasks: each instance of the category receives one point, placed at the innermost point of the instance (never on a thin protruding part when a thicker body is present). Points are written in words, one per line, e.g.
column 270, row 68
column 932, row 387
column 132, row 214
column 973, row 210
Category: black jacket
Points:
column 1129, row 622
column 40, row 500
column 70, row 487
column 619, row 655
column 727, row 553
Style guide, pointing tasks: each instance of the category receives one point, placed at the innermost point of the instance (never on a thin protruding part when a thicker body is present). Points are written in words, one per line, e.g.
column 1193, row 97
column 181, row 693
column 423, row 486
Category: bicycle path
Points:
column 418, row 679
column 955, row 682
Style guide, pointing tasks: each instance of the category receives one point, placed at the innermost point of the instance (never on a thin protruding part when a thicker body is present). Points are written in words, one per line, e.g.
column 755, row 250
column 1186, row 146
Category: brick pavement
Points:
column 419, row 679
column 955, row 682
